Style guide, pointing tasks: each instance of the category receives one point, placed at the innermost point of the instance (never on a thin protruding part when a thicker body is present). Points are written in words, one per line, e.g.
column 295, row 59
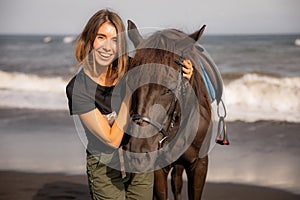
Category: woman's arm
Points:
column 99, row 126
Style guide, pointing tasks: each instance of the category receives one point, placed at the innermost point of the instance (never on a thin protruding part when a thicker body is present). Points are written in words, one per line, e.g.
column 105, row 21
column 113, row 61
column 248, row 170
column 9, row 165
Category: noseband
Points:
column 160, row 126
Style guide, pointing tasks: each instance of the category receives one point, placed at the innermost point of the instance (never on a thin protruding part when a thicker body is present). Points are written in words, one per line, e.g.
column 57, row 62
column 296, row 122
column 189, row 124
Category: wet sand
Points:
column 46, row 186
column 42, row 157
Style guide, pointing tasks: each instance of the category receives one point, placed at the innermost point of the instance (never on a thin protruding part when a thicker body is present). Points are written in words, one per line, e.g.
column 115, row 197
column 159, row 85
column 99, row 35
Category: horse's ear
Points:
column 133, row 33
column 188, row 42
column 197, row 35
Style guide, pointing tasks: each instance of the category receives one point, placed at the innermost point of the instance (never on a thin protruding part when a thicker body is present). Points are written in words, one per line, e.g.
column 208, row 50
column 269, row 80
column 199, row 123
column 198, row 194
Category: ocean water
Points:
column 261, row 74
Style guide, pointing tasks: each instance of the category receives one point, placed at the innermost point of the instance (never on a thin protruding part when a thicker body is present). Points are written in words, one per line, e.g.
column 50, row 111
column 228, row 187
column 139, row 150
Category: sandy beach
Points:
column 46, row 186
column 42, row 157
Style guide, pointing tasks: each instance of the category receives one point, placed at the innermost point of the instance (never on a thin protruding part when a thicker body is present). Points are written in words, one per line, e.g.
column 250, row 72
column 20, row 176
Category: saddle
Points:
column 214, row 85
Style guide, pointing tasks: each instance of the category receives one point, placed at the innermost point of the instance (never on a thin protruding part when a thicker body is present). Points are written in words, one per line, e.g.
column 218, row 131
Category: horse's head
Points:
column 161, row 94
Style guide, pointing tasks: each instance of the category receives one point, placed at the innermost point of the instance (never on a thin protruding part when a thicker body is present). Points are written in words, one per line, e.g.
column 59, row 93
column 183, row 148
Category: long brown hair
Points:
column 85, row 41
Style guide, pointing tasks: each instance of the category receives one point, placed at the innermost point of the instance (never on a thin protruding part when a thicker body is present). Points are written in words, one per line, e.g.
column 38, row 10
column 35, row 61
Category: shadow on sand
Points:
column 225, row 191
column 63, row 191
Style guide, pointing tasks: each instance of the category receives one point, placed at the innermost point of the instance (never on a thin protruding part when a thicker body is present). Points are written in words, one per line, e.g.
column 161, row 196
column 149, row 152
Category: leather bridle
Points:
column 161, row 126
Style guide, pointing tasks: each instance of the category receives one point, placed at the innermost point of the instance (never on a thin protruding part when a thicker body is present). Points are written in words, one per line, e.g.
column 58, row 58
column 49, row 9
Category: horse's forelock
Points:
column 160, row 47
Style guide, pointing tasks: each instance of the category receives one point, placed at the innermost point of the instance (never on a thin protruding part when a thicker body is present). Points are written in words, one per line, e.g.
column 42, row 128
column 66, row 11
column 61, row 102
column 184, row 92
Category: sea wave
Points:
column 255, row 97
column 249, row 97
column 21, row 90
column 30, row 82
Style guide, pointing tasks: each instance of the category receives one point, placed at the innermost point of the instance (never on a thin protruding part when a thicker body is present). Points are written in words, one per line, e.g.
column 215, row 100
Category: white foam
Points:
column 20, row 90
column 257, row 97
column 33, row 100
column 250, row 98
column 31, row 82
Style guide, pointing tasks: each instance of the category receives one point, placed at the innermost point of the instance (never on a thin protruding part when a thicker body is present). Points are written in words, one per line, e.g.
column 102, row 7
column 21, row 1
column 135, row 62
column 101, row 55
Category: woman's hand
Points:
column 187, row 69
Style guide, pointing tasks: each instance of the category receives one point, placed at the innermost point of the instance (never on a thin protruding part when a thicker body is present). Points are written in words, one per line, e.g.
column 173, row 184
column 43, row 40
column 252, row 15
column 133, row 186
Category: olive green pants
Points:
column 107, row 183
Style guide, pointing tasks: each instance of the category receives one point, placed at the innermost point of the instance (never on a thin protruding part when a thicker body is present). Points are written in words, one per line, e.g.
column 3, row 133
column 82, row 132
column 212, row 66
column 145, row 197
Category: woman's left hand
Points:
column 187, row 69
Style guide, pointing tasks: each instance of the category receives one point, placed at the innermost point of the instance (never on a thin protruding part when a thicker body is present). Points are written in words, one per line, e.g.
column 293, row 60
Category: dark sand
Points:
column 47, row 186
column 262, row 161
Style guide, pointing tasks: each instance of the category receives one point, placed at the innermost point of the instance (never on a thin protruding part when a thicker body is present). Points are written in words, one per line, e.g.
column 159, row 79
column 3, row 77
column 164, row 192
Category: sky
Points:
column 221, row 17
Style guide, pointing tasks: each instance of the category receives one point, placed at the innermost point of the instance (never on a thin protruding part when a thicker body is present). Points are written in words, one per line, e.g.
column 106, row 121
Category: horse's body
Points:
column 155, row 105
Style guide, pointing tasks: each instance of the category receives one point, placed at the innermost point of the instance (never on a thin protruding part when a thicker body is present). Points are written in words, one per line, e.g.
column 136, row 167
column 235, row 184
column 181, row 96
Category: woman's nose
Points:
column 107, row 45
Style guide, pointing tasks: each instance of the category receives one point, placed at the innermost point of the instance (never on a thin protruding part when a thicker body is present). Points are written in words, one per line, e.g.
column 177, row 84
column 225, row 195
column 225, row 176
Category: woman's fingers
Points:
column 187, row 69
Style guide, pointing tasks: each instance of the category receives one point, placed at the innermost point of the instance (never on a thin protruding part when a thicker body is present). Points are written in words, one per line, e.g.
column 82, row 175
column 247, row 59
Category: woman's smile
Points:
column 105, row 44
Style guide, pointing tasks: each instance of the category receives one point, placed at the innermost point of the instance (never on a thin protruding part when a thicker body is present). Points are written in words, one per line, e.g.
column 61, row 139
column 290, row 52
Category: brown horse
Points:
column 170, row 115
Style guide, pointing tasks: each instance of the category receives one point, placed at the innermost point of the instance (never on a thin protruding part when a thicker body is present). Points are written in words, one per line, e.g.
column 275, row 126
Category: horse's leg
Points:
column 196, row 174
column 176, row 181
column 161, row 184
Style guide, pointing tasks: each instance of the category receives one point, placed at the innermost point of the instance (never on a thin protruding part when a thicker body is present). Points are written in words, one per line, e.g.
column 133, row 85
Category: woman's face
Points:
column 105, row 44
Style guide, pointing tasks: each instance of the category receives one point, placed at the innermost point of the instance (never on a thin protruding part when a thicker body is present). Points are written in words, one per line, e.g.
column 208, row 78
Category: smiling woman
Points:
column 102, row 55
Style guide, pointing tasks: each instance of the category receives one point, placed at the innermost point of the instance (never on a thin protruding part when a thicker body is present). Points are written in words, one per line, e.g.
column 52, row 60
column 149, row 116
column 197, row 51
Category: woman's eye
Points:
column 115, row 40
column 100, row 38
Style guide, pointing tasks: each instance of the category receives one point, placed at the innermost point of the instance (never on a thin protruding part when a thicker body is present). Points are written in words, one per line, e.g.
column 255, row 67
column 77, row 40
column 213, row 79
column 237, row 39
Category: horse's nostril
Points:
column 139, row 122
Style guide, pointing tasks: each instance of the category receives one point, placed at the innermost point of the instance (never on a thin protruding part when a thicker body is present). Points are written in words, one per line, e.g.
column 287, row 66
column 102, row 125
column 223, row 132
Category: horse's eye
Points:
column 166, row 91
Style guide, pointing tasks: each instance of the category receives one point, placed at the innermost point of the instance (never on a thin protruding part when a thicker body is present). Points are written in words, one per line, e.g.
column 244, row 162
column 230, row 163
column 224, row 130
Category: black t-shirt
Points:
column 85, row 95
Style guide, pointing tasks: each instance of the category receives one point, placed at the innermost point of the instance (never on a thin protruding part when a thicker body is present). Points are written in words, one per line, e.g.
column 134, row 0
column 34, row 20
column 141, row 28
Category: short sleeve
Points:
column 80, row 94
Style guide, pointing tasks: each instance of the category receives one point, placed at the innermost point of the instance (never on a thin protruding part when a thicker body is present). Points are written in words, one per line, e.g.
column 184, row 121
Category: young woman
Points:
column 102, row 54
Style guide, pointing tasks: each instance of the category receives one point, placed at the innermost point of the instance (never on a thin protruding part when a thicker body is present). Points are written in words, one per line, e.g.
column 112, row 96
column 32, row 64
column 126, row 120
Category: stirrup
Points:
column 222, row 137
